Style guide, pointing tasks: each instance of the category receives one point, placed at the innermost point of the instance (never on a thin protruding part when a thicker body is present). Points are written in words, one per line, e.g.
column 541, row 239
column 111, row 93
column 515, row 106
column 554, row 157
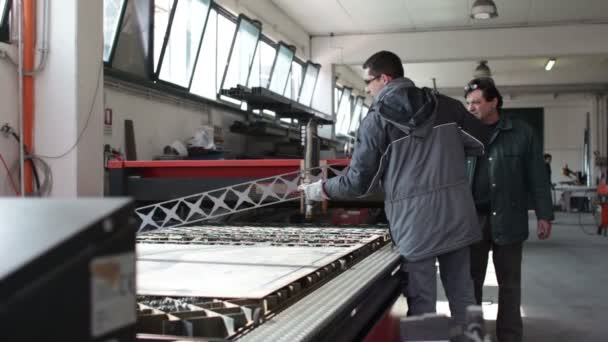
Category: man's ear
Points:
column 495, row 103
column 386, row 78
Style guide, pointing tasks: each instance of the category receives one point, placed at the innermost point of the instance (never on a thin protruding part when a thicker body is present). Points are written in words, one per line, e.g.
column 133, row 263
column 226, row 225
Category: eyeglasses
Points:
column 477, row 83
column 471, row 87
column 367, row 82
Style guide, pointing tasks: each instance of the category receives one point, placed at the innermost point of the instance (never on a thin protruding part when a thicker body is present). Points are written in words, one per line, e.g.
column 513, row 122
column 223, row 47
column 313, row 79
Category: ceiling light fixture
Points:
column 484, row 9
column 482, row 70
column 550, row 63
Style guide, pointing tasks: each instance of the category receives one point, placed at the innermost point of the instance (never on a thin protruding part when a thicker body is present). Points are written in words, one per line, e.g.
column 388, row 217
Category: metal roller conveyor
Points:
column 225, row 281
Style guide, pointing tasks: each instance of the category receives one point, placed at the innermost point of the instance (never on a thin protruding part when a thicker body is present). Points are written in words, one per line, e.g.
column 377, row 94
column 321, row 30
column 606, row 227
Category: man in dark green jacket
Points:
column 510, row 171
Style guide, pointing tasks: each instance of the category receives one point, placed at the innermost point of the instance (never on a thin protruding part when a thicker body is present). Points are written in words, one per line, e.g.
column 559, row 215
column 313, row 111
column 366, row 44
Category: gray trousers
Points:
column 419, row 284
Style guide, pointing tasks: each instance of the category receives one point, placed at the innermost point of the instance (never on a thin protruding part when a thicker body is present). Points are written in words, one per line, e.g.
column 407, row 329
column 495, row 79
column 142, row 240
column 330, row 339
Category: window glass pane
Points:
column 344, row 113
column 308, row 87
column 294, row 81
column 186, row 32
column 337, row 94
column 204, row 82
column 111, row 16
column 162, row 10
column 354, row 122
column 225, row 32
column 280, row 73
column 3, row 7
column 132, row 50
column 262, row 64
column 242, row 55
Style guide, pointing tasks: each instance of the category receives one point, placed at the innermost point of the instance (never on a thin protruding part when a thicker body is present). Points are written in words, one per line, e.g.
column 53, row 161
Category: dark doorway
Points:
column 534, row 117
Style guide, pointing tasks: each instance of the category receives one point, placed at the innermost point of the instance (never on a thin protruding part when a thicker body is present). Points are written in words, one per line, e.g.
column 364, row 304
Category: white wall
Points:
column 9, row 148
column 160, row 120
column 89, row 100
column 67, row 99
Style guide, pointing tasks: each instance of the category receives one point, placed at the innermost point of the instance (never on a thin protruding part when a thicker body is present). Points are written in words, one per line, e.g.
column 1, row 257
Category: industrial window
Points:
column 200, row 48
column 294, row 81
column 177, row 59
column 337, row 94
column 204, row 82
column 112, row 13
column 244, row 46
column 4, row 20
column 356, row 117
column 131, row 53
column 281, row 68
column 262, row 65
column 344, row 112
column 225, row 34
column 3, row 11
column 308, row 85
column 162, row 13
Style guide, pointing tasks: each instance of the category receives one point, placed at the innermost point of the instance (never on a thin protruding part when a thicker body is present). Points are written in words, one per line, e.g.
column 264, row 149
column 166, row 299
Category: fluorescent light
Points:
column 550, row 64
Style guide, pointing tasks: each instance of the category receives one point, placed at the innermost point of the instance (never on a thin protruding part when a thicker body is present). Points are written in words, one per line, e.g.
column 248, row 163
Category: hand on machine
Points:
column 313, row 191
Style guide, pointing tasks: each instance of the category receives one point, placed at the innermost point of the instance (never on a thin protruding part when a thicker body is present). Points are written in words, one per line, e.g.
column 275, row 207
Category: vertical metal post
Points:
column 587, row 152
column 20, row 98
column 311, row 159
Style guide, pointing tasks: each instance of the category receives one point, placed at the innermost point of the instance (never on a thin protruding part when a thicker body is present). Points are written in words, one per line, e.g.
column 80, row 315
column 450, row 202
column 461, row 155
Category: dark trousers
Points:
column 419, row 284
column 507, row 263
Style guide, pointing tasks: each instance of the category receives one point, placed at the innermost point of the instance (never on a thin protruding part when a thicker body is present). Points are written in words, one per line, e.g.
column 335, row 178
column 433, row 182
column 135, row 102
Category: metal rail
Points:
column 228, row 200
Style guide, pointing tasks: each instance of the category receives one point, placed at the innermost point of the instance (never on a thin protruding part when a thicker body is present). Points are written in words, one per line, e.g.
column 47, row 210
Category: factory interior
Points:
column 154, row 154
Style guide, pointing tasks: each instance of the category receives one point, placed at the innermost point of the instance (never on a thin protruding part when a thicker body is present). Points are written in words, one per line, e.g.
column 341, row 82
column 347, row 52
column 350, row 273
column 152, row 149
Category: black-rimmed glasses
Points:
column 367, row 82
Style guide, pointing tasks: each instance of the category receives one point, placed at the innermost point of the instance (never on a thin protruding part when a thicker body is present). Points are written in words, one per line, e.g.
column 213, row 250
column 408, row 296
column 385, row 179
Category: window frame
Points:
column 347, row 93
column 314, row 86
column 119, row 23
column 264, row 40
column 338, row 89
column 301, row 63
column 359, row 100
column 152, row 76
column 5, row 22
column 257, row 23
column 278, row 47
column 166, row 39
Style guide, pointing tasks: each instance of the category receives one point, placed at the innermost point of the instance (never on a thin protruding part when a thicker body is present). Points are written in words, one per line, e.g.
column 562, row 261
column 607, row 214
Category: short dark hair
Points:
column 384, row 62
column 487, row 87
column 547, row 155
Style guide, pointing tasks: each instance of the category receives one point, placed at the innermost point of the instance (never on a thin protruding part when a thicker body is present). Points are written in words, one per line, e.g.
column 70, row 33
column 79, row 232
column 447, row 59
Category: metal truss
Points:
column 229, row 200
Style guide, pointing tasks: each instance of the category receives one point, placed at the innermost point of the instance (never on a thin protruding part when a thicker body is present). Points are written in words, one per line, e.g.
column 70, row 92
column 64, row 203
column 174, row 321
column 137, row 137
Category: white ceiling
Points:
column 322, row 17
column 507, row 72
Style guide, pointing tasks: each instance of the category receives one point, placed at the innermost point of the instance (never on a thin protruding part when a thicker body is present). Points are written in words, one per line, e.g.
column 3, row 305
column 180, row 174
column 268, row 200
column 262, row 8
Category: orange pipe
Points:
column 29, row 56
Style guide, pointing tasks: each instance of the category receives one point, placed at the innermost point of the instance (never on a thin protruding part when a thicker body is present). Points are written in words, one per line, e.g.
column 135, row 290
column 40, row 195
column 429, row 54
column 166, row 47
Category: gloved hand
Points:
column 314, row 191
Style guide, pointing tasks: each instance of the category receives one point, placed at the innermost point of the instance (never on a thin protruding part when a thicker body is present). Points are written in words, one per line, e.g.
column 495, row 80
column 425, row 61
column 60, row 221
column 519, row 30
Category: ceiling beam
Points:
column 555, row 89
column 440, row 46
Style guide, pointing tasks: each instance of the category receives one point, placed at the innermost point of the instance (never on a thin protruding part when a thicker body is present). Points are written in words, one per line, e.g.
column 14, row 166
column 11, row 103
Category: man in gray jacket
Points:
column 413, row 143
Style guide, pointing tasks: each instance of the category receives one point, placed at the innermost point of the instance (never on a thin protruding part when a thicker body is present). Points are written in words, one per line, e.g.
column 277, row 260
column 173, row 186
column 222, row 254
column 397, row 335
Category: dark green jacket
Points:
column 517, row 172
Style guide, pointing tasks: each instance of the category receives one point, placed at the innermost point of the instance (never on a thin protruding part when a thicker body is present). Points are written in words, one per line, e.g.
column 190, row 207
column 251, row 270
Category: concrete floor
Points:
column 564, row 283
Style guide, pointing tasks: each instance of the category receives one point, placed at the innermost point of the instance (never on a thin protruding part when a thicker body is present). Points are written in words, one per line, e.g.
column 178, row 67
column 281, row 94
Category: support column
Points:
column 69, row 99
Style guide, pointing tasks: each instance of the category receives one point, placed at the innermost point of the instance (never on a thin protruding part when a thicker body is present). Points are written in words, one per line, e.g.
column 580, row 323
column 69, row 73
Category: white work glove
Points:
column 314, row 191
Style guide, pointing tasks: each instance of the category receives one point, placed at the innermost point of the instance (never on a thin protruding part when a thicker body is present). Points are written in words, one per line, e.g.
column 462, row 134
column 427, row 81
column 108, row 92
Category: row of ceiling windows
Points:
column 166, row 41
column 199, row 46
